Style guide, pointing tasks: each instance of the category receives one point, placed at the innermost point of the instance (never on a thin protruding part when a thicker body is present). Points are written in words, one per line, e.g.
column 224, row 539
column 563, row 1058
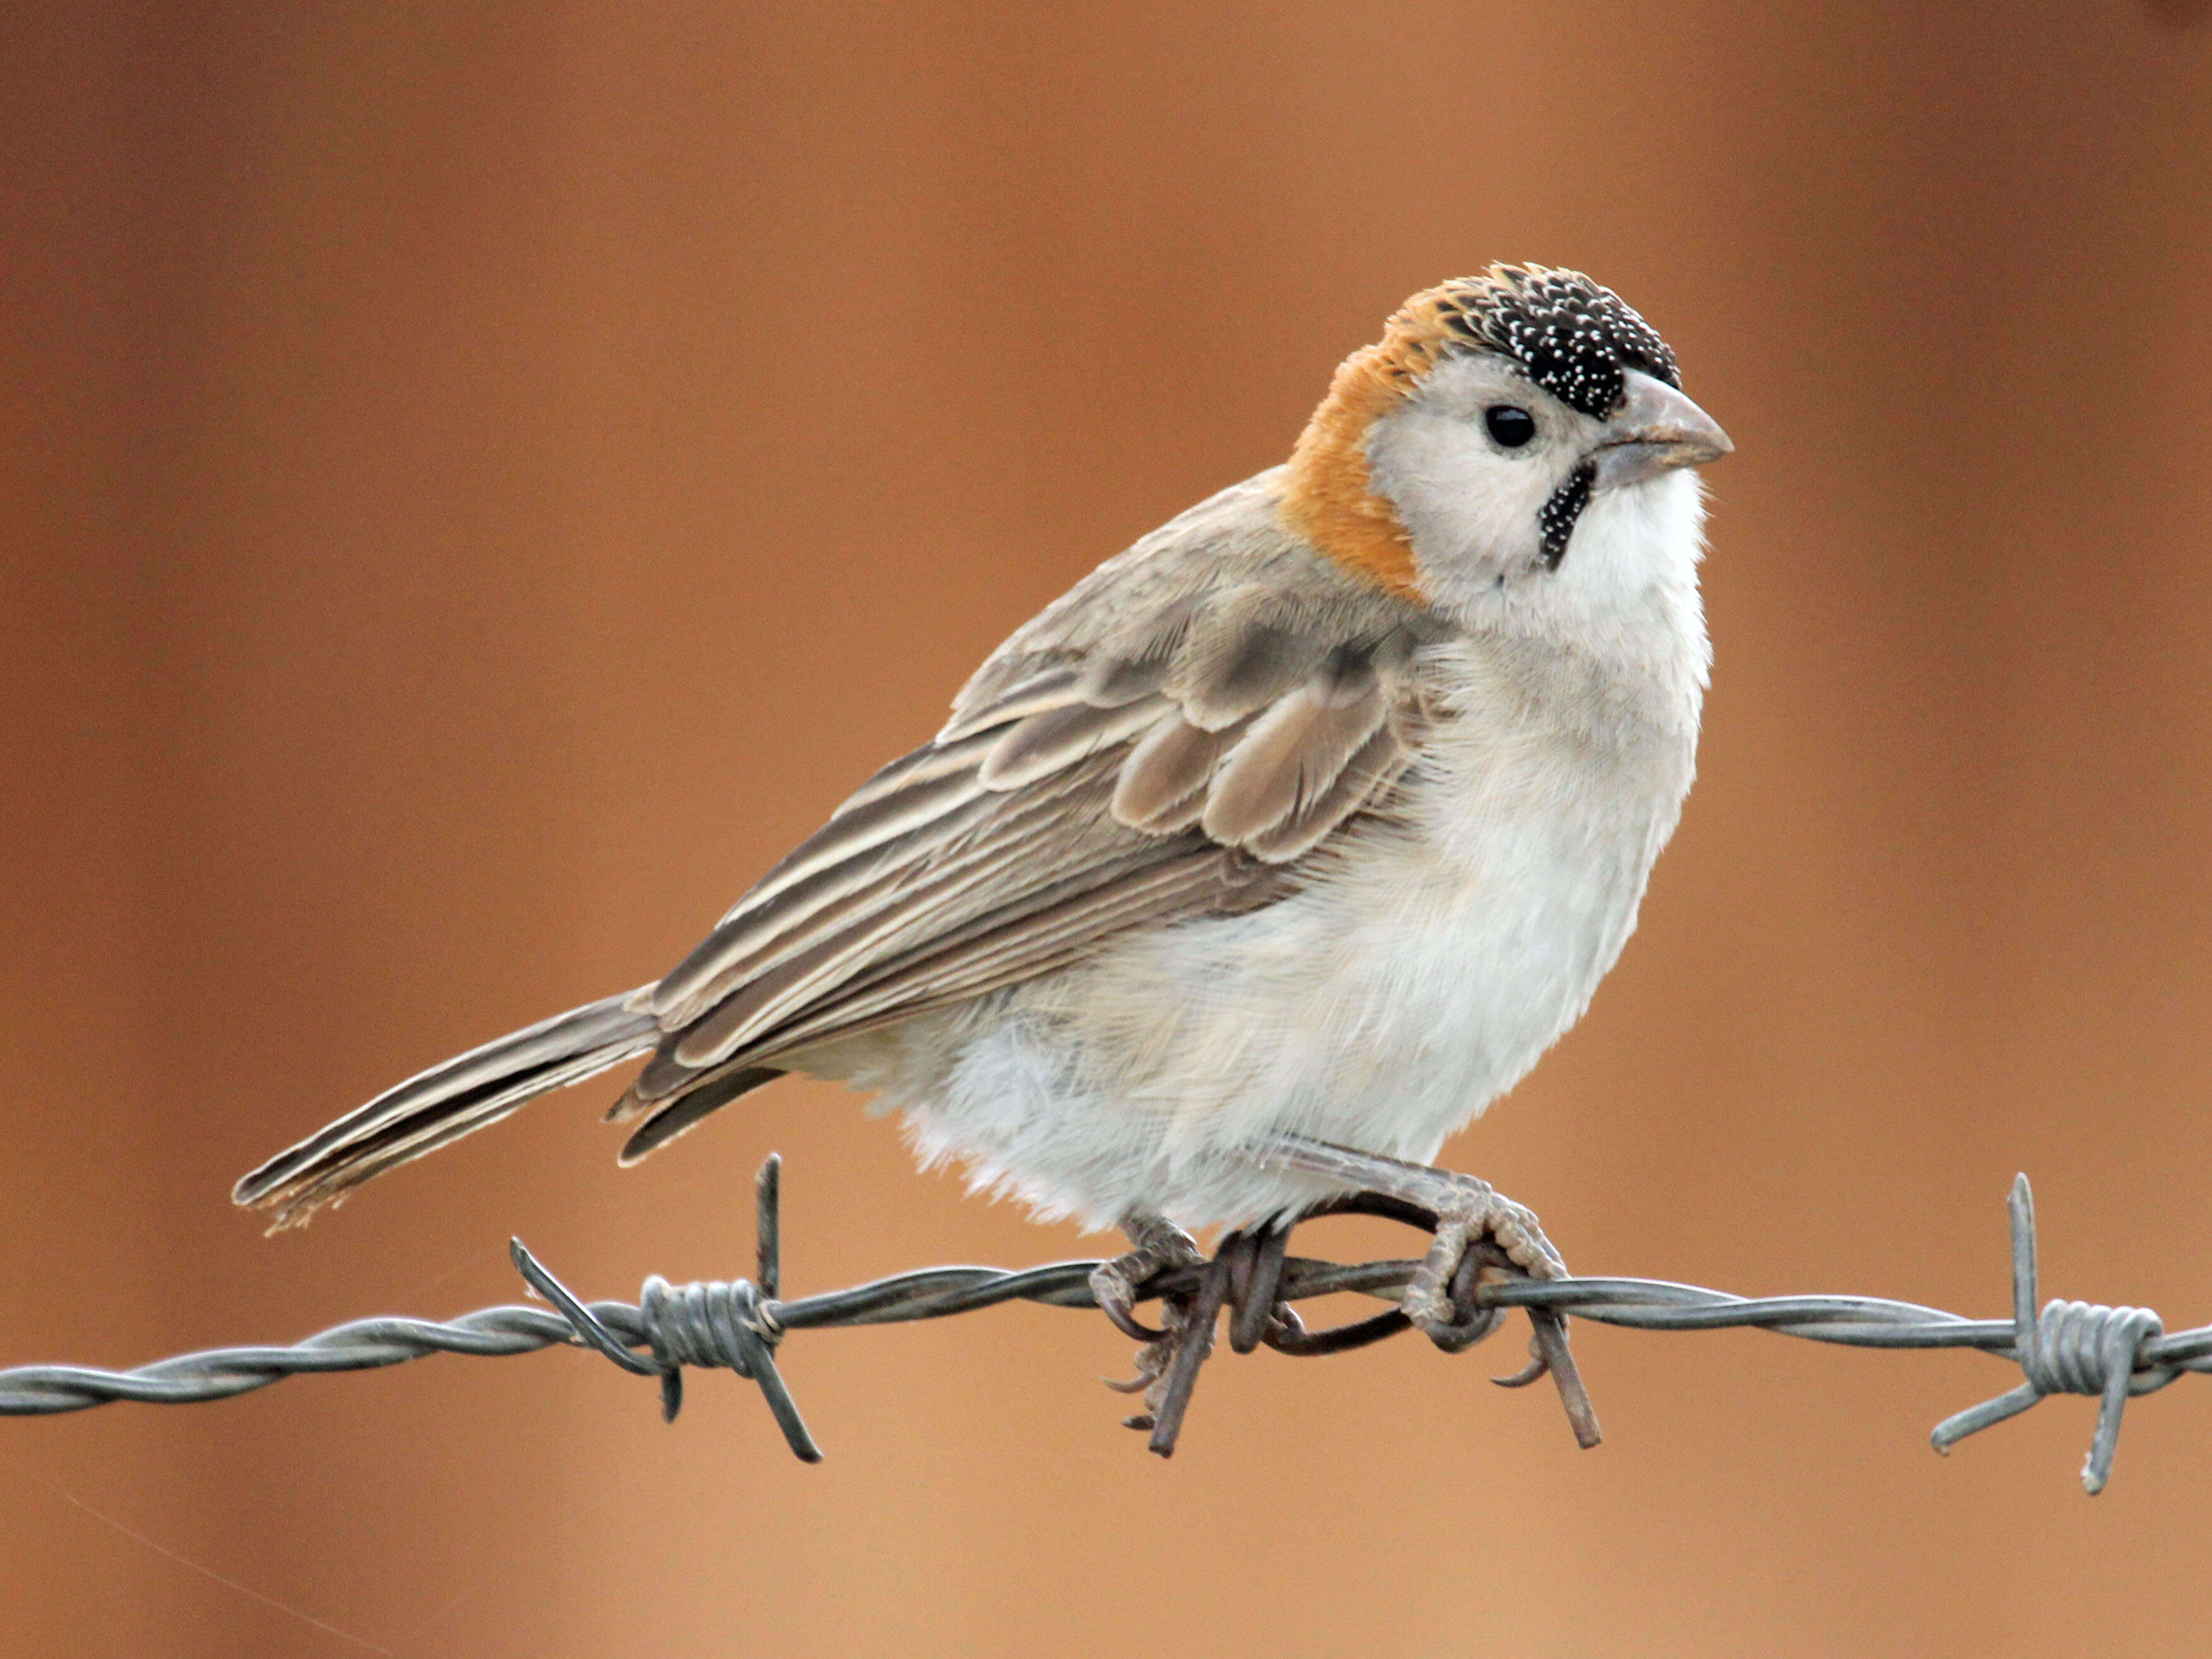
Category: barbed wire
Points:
column 2069, row 1348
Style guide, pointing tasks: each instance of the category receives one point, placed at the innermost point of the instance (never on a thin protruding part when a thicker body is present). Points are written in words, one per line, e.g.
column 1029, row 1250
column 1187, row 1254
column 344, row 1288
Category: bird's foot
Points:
column 1480, row 1236
column 1159, row 1245
column 1466, row 1210
column 1241, row 1277
column 1470, row 1212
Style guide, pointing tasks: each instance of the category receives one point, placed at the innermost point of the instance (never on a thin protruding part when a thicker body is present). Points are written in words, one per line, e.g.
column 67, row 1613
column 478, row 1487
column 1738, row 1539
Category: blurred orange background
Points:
column 481, row 482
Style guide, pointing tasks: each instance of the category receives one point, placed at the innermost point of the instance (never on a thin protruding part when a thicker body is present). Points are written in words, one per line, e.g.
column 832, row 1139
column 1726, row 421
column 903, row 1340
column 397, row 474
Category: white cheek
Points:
column 1462, row 503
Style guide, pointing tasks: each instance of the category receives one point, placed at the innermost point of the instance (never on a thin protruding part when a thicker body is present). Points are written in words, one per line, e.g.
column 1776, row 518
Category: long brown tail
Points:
column 446, row 1102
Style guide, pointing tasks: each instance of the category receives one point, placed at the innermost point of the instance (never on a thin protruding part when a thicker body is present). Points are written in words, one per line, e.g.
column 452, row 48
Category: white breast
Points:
column 1383, row 1008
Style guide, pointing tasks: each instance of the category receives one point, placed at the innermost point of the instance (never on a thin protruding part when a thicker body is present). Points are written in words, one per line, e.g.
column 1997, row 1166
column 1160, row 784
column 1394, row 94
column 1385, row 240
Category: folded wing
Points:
column 1171, row 741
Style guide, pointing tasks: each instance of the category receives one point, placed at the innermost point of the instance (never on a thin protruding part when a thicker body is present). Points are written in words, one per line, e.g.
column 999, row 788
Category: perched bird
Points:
column 1260, row 862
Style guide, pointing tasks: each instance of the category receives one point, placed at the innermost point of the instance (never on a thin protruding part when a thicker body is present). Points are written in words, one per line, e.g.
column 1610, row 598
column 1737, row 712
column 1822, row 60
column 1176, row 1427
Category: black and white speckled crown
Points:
column 1574, row 337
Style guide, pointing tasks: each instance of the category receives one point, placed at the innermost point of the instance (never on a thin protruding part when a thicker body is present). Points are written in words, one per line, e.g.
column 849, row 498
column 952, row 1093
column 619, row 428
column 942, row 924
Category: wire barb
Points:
column 2070, row 1347
column 710, row 1325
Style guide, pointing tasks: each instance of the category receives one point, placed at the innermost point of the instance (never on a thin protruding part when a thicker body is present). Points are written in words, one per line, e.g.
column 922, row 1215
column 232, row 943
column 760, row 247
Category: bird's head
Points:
column 1502, row 425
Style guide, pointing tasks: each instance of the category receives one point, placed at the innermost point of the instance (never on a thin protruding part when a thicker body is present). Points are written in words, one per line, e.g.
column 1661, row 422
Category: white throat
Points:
column 1623, row 597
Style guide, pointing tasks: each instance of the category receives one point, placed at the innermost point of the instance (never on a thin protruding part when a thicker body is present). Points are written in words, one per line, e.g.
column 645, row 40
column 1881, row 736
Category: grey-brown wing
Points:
column 1172, row 740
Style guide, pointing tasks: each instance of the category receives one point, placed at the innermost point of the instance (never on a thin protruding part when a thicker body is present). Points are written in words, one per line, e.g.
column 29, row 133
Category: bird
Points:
column 1259, row 863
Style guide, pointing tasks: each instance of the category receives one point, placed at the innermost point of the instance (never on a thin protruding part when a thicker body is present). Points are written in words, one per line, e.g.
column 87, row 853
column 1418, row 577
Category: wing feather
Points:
column 912, row 893
column 1054, row 739
column 1002, row 951
column 1162, row 787
column 933, row 797
column 1290, row 758
column 1366, row 778
column 1048, row 688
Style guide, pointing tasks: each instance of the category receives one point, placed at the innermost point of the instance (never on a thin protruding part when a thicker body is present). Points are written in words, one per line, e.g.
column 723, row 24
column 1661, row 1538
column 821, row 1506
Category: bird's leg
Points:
column 1465, row 1209
column 1158, row 1243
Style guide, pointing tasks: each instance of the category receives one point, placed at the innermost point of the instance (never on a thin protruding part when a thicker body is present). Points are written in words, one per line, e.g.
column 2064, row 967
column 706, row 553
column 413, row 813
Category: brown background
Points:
column 481, row 482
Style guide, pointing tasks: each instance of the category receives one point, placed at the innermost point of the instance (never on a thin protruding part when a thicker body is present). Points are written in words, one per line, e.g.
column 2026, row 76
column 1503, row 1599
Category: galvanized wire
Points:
column 2069, row 1348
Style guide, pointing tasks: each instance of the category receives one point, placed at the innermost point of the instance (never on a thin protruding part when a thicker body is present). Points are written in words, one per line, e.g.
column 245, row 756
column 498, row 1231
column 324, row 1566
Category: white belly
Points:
column 1383, row 1008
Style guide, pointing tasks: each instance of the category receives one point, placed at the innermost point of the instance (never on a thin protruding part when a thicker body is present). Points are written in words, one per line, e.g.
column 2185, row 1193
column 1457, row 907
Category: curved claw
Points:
column 1126, row 1321
column 1116, row 1298
column 1536, row 1367
column 1136, row 1385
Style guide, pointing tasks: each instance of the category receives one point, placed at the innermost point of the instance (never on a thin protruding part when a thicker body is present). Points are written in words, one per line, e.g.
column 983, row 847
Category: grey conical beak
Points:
column 1656, row 430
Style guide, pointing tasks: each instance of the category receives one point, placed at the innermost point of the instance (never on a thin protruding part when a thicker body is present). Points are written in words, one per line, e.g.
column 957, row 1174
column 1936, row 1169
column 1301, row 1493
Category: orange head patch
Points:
column 1572, row 337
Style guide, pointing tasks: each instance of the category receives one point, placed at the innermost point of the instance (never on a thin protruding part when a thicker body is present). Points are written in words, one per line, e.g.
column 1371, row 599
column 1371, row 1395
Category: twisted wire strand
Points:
column 2067, row 1347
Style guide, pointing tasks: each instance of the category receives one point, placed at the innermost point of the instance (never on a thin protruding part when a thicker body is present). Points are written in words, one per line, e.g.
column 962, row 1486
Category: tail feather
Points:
column 448, row 1101
column 681, row 1113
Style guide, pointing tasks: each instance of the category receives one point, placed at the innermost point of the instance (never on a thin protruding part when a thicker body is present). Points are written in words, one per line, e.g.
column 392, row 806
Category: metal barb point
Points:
column 586, row 1323
column 767, row 1226
column 2070, row 1347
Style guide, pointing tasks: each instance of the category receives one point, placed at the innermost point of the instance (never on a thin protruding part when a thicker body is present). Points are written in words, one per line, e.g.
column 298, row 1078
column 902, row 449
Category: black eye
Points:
column 1511, row 427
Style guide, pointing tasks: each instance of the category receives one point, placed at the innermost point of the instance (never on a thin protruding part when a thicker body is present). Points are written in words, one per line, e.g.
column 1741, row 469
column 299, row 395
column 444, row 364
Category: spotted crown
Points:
column 1574, row 337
